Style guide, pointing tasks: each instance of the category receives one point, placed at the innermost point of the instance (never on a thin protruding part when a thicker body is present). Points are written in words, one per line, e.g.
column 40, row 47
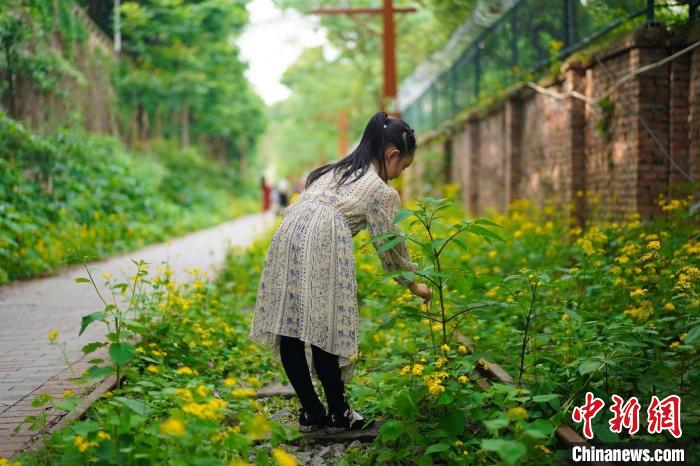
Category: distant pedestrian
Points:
column 282, row 194
column 265, row 194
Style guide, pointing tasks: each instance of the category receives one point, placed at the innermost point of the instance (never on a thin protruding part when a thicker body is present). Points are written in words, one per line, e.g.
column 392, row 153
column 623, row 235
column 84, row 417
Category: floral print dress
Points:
column 308, row 288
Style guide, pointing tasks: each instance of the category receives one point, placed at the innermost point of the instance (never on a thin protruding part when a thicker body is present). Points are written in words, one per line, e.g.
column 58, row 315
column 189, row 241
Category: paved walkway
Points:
column 30, row 309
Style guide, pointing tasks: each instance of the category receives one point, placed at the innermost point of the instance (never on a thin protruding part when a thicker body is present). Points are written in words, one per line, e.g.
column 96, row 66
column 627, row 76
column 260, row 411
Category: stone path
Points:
column 30, row 309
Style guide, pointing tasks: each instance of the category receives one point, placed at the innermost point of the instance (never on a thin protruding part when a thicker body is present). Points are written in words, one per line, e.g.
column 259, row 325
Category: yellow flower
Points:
column 104, row 435
column 172, row 426
column 239, row 462
column 462, row 349
column 638, row 292
column 283, row 458
column 417, row 369
column 675, row 344
column 153, row 369
column 185, row 394
column 435, row 389
column 462, row 379
column 544, row 449
column 82, row 443
column 440, row 362
column 458, row 443
column 682, row 336
column 406, row 369
column 67, row 393
column 5, row 462
column 184, row 370
column 53, row 334
column 669, row 307
column 229, row 382
column 445, row 347
column 565, row 317
column 242, row 392
column 202, row 390
column 517, row 412
column 655, row 245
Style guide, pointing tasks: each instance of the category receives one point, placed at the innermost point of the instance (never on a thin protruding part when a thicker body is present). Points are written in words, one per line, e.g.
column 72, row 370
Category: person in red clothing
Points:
column 265, row 194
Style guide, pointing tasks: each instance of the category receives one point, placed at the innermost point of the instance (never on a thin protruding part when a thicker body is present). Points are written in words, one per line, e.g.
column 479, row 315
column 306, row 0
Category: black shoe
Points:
column 349, row 419
column 309, row 422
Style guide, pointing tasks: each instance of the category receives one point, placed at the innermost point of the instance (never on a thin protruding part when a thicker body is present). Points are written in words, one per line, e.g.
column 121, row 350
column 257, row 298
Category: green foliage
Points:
column 304, row 129
column 183, row 62
column 70, row 194
column 28, row 31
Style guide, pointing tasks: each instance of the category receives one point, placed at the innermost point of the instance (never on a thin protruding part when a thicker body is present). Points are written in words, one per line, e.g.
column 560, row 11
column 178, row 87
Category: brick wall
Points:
column 534, row 146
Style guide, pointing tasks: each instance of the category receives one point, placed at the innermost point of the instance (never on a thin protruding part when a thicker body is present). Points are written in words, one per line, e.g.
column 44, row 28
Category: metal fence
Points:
column 526, row 38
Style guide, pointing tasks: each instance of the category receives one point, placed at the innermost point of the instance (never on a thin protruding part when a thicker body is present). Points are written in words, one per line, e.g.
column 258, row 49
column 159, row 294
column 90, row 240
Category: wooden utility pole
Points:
column 389, row 43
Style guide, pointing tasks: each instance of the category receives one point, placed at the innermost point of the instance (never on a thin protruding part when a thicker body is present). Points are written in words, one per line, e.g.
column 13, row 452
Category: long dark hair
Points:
column 380, row 132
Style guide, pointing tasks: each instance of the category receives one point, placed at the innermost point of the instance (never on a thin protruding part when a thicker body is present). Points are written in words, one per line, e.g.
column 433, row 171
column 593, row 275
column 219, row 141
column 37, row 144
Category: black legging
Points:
column 326, row 364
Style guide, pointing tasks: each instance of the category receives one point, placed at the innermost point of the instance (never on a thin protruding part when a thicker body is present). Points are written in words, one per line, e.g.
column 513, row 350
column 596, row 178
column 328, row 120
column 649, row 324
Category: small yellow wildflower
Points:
column 417, row 369
column 283, row 458
column 565, row 317
column 184, row 370
column 674, row 345
column 53, row 334
column 153, row 369
column 462, row 379
column 406, row 369
column 174, row 427
column 669, row 307
column 82, row 443
column 462, row 349
column 445, row 347
column 544, row 449
column 655, row 245
column 517, row 412
column 242, row 392
column 202, row 390
column 103, row 435
column 638, row 292
column 229, row 382
column 440, row 362
column 67, row 393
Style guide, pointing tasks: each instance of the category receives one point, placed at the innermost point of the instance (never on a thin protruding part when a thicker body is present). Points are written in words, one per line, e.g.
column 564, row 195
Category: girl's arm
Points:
column 380, row 221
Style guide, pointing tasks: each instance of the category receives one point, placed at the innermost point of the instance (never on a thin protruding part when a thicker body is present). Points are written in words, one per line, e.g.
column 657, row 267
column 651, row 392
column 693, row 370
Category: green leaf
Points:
column 90, row 318
column 390, row 244
column 693, row 337
column 510, row 451
column 405, row 406
column 121, row 353
column 437, row 448
column 82, row 280
column 494, row 424
column 453, row 422
column 139, row 407
column 588, row 366
column 98, row 372
column 65, row 405
column 544, row 398
column 90, row 347
column 402, row 215
column 391, row 430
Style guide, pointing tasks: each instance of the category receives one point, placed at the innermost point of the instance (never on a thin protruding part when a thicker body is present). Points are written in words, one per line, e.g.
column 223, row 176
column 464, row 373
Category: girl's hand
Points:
column 422, row 290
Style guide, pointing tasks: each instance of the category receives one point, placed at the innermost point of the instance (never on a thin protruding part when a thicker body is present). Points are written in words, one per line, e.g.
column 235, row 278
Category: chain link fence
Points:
column 530, row 35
